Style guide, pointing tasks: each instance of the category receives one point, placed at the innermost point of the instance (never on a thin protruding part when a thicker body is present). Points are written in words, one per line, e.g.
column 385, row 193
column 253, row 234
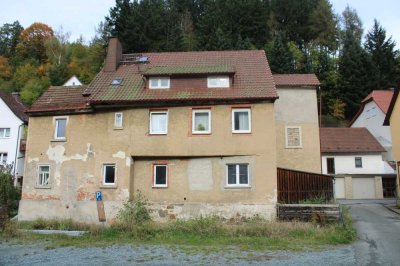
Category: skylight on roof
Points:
column 116, row 82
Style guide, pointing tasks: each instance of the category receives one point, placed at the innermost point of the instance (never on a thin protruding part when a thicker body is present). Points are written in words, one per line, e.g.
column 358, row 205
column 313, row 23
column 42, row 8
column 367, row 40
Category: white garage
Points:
column 339, row 188
column 364, row 188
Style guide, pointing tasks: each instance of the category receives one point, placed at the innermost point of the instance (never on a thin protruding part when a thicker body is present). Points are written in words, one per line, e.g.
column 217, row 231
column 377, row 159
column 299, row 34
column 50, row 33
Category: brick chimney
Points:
column 17, row 97
column 114, row 54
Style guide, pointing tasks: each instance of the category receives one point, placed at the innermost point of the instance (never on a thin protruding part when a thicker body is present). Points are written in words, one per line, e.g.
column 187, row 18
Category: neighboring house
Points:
column 12, row 133
column 371, row 116
column 354, row 157
column 193, row 131
column 393, row 120
column 73, row 81
column 296, row 116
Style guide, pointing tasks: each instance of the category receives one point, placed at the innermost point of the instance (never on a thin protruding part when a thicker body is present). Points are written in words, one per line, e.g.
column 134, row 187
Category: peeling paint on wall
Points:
column 119, row 154
column 82, row 194
column 34, row 196
column 30, row 159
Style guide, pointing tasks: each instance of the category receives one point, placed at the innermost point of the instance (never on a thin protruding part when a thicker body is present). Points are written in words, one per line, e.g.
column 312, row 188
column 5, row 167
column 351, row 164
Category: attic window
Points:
column 218, row 82
column 159, row 83
column 116, row 82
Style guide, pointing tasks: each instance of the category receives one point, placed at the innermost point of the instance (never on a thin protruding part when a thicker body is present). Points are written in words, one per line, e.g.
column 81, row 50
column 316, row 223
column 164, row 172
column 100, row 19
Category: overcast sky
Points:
column 81, row 17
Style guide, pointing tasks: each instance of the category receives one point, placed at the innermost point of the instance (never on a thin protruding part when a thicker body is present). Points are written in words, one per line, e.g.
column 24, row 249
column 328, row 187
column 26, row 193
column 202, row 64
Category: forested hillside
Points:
column 299, row 36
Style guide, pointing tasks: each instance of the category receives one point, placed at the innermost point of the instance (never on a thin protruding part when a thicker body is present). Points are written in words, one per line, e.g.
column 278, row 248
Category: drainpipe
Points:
column 320, row 125
column 16, row 154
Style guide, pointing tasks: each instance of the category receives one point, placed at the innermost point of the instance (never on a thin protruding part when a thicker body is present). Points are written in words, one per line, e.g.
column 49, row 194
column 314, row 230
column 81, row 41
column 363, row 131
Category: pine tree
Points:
column 280, row 58
column 383, row 57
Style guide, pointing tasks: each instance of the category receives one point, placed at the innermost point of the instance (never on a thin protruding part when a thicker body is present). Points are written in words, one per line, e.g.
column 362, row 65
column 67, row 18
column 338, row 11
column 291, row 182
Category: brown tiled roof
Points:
column 296, row 80
column 189, row 69
column 15, row 104
column 60, row 98
column 382, row 98
column 348, row 140
column 252, row 78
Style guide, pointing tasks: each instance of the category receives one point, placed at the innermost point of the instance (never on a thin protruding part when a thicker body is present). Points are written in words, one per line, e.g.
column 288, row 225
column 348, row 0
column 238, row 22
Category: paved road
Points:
column 378, row 231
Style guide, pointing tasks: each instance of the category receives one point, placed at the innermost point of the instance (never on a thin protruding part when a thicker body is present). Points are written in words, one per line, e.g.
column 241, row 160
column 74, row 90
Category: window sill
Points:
column 118, row 128
column 241, row 133
column 159, row 187
column 300, row 147
column 201, row 133
column 237, row 187
column 42, row 187
column 58, row 140
column 108, row 186
column 158, row 134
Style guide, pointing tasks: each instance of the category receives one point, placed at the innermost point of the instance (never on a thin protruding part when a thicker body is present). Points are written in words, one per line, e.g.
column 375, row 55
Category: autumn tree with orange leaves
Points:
column 32, row 41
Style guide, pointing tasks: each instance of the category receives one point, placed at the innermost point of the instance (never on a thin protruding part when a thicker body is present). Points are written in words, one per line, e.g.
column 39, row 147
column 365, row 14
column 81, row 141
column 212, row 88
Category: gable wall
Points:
column 297, row 106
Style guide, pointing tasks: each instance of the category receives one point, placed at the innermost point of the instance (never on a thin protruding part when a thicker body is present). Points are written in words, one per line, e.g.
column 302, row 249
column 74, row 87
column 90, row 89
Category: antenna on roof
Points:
column 129, row 59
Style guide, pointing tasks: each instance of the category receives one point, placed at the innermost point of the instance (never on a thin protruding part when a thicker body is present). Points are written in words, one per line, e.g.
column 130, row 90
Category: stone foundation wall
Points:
column 86, row 211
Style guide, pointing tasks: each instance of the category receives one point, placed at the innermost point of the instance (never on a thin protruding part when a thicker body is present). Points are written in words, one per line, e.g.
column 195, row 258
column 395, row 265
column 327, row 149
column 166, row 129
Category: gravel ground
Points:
column 29, row 254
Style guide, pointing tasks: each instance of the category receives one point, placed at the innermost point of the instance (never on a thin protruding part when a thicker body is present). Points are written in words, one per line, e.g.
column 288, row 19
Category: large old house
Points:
column 13, row 121
column 197, row 133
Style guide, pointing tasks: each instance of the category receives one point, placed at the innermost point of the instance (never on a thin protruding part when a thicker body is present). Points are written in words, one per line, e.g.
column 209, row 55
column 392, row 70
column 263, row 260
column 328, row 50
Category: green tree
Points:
column 9, row 34
column 351, row 24
column 32, row 41
column 8, row 193
column 354, row 74
column 33, row 89
column 383, row 55
column 280, row 58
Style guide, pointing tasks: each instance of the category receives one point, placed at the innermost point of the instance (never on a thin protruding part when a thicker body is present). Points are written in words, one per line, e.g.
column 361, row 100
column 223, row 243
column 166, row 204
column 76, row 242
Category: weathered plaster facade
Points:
column 196, row 165
column 297, row 106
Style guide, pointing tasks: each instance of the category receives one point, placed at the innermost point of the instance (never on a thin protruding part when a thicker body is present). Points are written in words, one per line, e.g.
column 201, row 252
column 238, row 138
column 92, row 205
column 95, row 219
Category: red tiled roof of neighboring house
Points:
column 15, row 104
column 296, row 80
column 60, row 98
column 252, row 78
column 382, row 99
column 391, row 107
column 348, row 140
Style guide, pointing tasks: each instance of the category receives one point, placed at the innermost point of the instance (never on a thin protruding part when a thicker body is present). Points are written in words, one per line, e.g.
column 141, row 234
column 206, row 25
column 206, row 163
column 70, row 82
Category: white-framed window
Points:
column 5, row 132
column 241, row 120
column 201, row 121
column 60, row 128
column 218, row 82
column 293, row 137
column 159, row 83
column 43, row 175
column 108, row 174
column 118, row 120
column 159, row 122
column 358, row 162
column 237, row 175
column 3, row 158
column 160, row 175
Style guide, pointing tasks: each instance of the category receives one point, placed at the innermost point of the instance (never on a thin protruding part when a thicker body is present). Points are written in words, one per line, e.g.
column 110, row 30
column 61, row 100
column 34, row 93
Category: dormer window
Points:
column 218, row 82
column 159, row 83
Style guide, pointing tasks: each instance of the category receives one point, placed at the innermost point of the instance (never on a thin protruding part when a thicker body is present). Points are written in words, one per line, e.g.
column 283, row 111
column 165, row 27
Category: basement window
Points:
column 237, row 175
column 109, row 174
column 160, row 175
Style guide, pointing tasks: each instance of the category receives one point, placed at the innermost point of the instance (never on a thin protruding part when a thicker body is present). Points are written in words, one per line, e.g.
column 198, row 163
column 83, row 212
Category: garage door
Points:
column 339, row 188
column 363, row 188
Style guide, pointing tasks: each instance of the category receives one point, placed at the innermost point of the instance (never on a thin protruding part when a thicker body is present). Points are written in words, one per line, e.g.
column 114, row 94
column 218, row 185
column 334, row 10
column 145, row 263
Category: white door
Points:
column 339, row 188
column 363, row 188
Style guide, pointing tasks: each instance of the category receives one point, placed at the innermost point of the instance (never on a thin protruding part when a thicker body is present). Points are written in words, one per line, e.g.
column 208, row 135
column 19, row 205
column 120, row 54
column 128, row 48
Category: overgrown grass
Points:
column 203, row 233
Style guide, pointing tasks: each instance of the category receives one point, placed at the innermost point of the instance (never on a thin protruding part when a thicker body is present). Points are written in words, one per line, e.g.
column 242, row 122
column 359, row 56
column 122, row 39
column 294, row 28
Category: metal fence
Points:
column 296, row 186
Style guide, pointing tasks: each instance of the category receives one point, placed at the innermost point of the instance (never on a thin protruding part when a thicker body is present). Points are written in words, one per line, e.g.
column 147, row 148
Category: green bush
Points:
column 133, row 212
column 9, row 194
